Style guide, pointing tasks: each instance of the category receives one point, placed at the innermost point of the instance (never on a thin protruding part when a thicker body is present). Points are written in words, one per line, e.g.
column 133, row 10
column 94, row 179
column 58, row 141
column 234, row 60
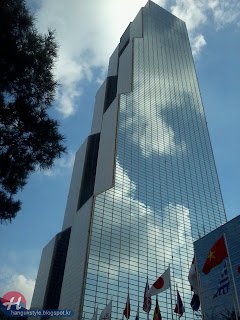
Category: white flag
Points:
column 95, row 315
column 192, row 277
column 106, row 313
column 162, row 284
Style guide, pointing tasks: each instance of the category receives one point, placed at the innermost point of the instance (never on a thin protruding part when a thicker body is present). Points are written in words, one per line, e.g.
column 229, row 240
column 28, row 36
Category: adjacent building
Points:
column 144, row 184
column 220, row 288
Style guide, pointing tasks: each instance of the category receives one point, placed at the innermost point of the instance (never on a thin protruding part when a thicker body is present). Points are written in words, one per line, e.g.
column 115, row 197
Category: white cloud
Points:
column 197, row 43
column 124, row 192
column 197, row 13
column 156, row 226
column 89, row 31
column 225, row 12
column 19, row 283
column 191, row 11
column 16, row 274
column 86, row 39
column 153, row 134
column 69, row 72
column 148, row 134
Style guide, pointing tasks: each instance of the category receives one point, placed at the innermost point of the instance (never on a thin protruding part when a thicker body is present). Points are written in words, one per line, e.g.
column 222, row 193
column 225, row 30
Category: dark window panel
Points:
column 89, row 170
column 55, row 278
column 111, row 91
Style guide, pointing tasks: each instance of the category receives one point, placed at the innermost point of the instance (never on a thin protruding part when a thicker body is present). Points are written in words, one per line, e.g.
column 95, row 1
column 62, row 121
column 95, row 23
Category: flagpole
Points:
column 179, row 316
column 171, row 300
column 234, row 305
column 171, row 293
column 200, row 288
column 200, row 296
column 127, row 306
column 230, row 264
column 147, row 304
column 175, row 292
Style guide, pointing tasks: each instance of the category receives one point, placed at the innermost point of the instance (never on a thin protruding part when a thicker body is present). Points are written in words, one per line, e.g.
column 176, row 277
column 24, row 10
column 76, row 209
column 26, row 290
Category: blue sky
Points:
column 87, row 33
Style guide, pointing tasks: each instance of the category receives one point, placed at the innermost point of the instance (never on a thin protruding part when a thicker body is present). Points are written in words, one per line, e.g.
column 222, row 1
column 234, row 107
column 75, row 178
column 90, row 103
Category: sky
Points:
column 87, row 33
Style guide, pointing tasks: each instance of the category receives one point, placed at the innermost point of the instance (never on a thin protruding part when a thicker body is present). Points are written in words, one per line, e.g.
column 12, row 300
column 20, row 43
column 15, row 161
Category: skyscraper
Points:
column 144, row 183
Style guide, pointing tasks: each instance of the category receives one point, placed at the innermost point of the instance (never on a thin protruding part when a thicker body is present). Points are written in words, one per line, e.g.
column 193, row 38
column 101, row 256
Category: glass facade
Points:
column 166, row 192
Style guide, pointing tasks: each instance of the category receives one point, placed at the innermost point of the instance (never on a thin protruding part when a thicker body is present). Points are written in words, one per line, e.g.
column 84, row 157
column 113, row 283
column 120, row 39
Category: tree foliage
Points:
column 29, row 138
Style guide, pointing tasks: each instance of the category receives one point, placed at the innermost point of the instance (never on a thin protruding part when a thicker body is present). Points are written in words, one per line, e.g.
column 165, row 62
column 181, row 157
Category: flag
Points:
column 192, row 277
column 179, row 305
column 223, row 286
column 126, row 311
column 157, row 313
column 162, row 284
column 137, row 315
column 146, row 300
column 195, row 302
column 216, row 255
column 95, row 315
column 106, row 313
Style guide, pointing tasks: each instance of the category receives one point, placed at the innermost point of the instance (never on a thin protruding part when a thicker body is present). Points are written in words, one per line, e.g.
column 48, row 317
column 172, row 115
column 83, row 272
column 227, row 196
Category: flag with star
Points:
column 216, row 255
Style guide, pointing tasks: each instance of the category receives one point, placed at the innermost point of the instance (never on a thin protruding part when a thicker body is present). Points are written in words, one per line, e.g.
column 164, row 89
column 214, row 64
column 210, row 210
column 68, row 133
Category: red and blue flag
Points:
column 179, row 306
column 147, row 300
